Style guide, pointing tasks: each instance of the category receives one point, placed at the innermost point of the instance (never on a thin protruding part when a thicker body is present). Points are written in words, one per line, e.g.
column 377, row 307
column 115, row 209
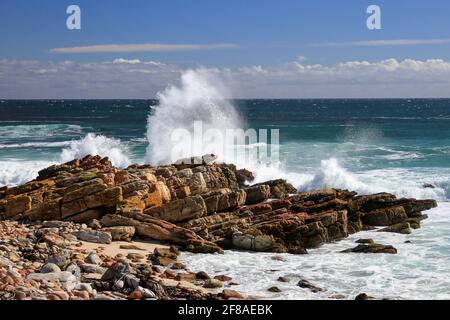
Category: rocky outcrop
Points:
column 201, row 206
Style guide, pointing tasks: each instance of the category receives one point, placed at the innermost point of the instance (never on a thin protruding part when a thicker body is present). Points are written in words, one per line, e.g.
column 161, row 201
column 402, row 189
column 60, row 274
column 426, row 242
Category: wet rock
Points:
column 365, row 241
column 403, row 228
column 230, row 294
column 202, row 275
column 363, row 296
column 213, row 283
column 257, row 194
column 283, row 279
column 308, row 285
column 372, row 248
column 274, row 289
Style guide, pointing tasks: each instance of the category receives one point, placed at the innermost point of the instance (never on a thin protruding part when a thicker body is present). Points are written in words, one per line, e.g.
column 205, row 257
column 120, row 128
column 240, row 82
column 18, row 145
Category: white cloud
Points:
column 144, row 47
column 121, row 61
column 133, row 78
column 391, row 42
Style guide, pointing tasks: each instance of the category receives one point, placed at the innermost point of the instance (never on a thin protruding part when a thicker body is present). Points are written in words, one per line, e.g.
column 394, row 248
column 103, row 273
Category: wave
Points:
column 16, row 172
column 39, row 130
column 35, row 145
column 94, row 144
column 199, row 98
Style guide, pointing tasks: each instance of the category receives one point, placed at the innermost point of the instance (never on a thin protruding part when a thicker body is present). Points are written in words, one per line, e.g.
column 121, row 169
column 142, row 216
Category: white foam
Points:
column 93, row 144
column 420, row 270
column 200, row 97
column 16, row 172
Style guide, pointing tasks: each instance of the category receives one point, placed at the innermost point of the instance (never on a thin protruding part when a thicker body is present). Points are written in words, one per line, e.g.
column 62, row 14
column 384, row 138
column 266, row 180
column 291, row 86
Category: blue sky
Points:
column 262, row 32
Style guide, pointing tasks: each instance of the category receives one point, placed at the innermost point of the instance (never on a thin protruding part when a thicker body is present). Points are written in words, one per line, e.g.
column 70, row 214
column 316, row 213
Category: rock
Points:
column 93, row 258
column 308, row 285
column 403, row 228
column 230, row 294
column 188, row 277
column 136, row 295
column 385, row 217
column 213, row 283
column 121, row 233
column 131, row 247
column 92, row 268
column 428, row 185
column 131, row 281
column 75, row 270
column 50, row 267
column 116, row 271
column 265, row 243
column 283, row 279
column 223, row 278
column 372, row 248
column 365, row 241
column 178, row 266
column 135, row 256
column 93, row 236
column 363, row 296
column 61, row 260
column 257, row 194
column 274, row 289
column 202, row 275
column 67, row 280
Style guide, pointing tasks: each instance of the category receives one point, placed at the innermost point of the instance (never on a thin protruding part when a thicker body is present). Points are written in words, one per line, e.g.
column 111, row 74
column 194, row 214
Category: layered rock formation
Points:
column 204, row 207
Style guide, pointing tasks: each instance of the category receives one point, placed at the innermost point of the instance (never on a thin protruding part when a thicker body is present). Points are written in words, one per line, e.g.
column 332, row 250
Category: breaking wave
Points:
column 93, row 144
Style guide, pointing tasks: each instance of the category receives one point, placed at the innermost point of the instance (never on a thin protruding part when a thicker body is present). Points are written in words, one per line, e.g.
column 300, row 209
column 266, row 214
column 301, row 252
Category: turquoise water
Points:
column 403, row 137
column 363, row 145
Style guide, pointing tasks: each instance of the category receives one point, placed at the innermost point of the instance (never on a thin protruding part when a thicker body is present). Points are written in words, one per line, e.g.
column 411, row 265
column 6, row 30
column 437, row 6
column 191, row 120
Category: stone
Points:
column 135, row 256
column 385, row 217
column 257, row 194
column 230, row 294
column 283, row 279
column 50, row 267
column 92, row 268
column 274, row 289
column 67, row 279
column 202, row 275
column 116, row 271
column 223, row 278
column 366, row 241
column 403, row 228
column 136, row 295
column 93, row 258
column 213, row 284
column 372, row 248
column 94, row 236
column 308, row 285
column 121, row 233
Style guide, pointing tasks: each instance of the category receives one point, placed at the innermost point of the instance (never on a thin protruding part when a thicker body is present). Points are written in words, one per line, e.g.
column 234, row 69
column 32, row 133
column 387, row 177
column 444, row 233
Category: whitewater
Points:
column 397, row 146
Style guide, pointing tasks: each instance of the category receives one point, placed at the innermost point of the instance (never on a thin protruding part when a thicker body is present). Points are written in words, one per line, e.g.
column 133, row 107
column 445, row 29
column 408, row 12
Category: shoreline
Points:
column 201, row 208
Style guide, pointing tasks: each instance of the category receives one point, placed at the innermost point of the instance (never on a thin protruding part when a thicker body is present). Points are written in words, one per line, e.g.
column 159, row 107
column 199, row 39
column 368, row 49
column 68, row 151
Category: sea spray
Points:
column 201, row 97
column 93, row 144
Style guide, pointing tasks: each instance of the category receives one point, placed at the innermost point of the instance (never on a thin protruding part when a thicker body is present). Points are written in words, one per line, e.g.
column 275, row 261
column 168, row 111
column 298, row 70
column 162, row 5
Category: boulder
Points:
column 256, row 194
column 372, row 248
column 93, row 236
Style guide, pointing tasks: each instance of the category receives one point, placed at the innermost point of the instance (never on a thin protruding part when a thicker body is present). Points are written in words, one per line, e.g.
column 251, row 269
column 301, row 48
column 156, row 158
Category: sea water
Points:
column 366, row 145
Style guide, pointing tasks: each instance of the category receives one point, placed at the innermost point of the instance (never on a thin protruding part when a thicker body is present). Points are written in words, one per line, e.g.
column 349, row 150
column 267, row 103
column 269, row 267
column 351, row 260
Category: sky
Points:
column 260, row 48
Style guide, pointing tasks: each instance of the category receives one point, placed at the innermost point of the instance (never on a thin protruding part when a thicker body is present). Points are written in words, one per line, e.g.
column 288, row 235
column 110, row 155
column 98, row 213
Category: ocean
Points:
column 366, row 145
